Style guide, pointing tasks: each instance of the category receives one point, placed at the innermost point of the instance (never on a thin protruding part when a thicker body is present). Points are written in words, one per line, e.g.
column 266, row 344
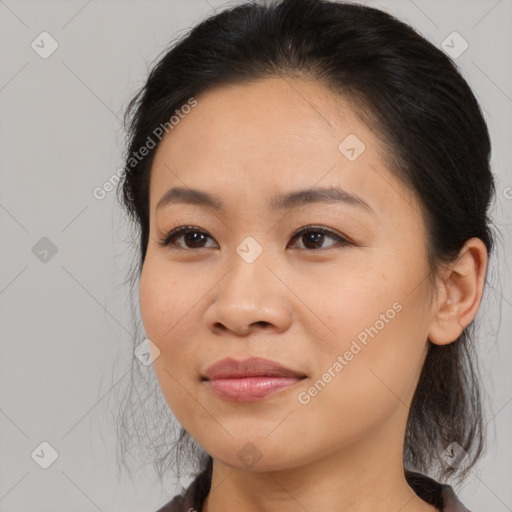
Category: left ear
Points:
column 459, row 293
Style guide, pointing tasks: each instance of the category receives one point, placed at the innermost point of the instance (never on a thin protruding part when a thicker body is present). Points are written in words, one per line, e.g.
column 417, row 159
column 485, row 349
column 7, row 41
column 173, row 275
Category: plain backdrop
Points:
column 64, row 315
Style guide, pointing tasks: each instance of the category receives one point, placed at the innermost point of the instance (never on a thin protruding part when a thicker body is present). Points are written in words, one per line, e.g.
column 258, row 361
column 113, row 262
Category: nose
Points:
column 249, row 298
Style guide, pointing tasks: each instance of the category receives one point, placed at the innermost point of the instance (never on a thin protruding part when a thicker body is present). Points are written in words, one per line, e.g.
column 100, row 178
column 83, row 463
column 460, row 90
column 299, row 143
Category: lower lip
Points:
column 250, row 389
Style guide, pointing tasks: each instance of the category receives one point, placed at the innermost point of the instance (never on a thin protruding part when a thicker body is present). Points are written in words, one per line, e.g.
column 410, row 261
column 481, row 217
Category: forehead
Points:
column 284, row 113
column 272, row 134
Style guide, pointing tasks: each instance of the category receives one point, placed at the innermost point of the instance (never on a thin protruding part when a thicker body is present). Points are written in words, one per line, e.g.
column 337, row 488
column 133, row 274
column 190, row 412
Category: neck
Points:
column 362, row 477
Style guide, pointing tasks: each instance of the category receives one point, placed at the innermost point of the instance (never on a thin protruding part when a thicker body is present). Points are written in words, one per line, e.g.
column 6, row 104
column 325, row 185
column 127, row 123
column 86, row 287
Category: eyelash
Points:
column 183, row 230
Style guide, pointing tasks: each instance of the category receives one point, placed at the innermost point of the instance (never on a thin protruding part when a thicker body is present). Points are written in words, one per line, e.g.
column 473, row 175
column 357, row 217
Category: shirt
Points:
column 439, row 495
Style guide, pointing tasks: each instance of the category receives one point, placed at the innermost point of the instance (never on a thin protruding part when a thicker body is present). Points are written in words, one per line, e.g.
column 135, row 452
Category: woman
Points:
column 311, row 184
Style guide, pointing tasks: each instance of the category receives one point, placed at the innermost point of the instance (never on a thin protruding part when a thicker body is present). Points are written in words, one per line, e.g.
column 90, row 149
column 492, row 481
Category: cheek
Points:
column 163, row 302
column 151, row 301
column 348, row 306
column 170, row 304
column 163, row 310
column 378, row 328
column 370, row 382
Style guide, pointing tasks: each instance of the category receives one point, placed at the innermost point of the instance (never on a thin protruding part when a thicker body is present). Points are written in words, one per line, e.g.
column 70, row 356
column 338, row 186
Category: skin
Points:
column 201, row 303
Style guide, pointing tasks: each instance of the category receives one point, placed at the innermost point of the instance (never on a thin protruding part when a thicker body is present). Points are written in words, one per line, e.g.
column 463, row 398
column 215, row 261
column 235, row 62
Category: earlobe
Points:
column 460, row 293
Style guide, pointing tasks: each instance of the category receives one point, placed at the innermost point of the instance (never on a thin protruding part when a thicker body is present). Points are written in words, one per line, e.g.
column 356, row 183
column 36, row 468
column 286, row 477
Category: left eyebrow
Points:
column 322, row 195
column 289, row 200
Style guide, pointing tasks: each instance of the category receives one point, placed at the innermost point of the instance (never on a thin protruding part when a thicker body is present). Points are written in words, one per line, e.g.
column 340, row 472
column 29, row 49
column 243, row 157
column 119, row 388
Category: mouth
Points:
column 249, row 380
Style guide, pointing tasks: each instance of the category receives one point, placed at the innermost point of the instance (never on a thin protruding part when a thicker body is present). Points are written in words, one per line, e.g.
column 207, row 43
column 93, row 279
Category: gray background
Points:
column 65, row 320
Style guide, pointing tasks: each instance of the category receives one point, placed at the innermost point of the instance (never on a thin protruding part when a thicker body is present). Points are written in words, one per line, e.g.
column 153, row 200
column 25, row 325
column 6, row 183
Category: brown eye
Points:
column 193, row 238
column 314, row 237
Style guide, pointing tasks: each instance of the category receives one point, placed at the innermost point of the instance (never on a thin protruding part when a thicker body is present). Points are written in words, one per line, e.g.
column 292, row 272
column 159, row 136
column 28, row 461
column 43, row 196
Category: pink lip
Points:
column 249, row 389
column 250, row 379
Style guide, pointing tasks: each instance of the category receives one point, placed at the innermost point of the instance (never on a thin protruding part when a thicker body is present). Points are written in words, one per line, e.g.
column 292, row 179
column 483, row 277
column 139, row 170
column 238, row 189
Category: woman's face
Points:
column 352, row 317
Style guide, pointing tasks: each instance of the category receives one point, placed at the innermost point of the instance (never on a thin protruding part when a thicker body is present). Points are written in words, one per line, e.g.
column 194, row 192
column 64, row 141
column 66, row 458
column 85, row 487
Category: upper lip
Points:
column 252, row 367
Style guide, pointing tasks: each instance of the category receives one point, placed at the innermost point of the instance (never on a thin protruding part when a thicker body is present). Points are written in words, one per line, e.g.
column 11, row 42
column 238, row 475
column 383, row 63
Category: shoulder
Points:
column 437, row 494
column 192, row 498
column 175, row 505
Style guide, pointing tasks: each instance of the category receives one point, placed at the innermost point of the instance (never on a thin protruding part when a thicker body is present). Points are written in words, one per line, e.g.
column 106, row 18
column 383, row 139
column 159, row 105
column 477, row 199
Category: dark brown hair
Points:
column 437, row 144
